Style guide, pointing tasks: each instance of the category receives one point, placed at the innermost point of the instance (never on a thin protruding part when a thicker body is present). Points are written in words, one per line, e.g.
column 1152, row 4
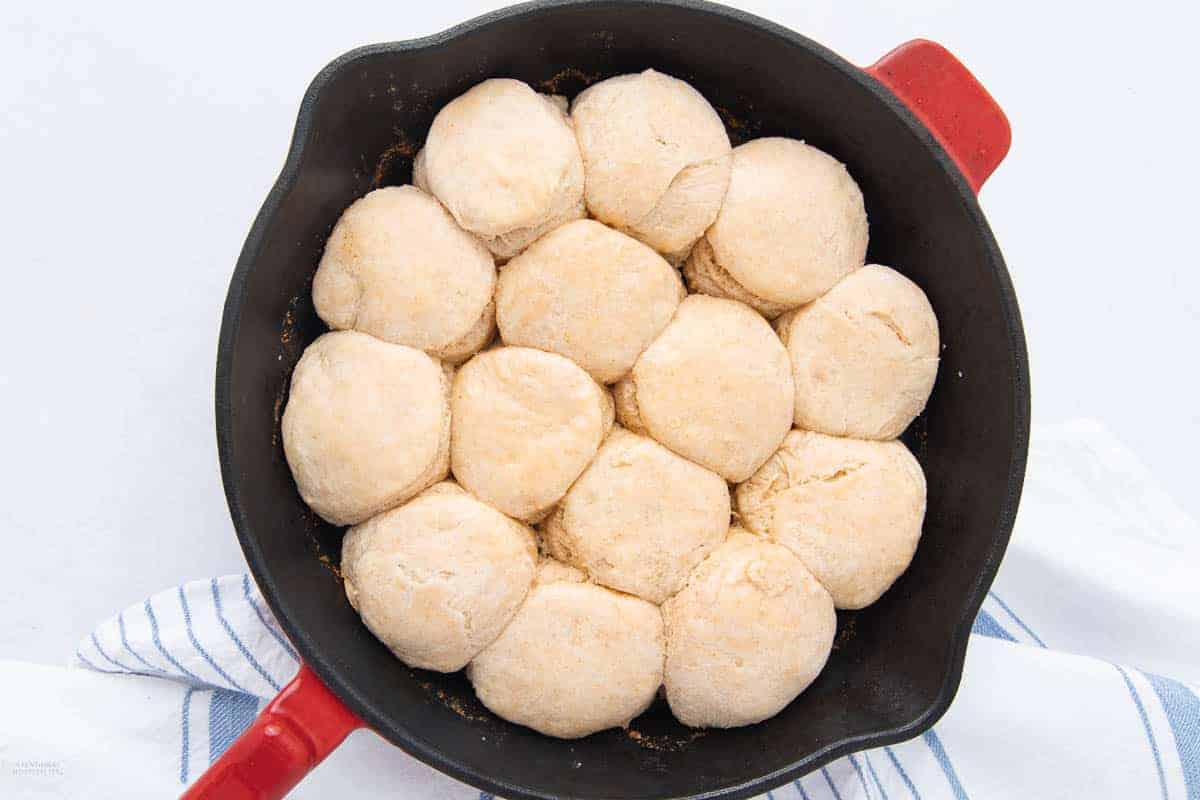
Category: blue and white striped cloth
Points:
column 1083, row 678
column 218, row 641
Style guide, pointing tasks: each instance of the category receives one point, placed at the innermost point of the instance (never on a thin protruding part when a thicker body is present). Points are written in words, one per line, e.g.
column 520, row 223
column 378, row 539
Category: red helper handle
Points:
column 295, row 732
column 947, row 98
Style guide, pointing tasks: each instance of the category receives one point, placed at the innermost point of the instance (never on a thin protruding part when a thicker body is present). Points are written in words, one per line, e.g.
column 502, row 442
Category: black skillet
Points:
column 918, row 133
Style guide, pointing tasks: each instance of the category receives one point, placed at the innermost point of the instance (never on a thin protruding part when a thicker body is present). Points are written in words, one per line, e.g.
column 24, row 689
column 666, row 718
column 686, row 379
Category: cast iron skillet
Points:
column 895, row 665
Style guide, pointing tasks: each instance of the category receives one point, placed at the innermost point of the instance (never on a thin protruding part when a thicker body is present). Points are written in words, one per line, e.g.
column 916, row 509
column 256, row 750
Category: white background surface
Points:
column 136, row 144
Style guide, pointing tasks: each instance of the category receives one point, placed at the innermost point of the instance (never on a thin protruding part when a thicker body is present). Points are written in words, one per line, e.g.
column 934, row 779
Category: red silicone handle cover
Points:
column 295, row 732
column 947, row 98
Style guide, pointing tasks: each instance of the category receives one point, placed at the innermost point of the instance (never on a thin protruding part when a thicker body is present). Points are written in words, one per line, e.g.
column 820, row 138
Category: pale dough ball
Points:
column 864, row 356
column 437, row 579
column 526, row 423
column 656, row 157
column 792, row 225
column 576, row 659
column 639, row 518
column 750, row 630
column 503, row 159
column 851, row 510
column 715, row 387
column 367, row 425
column 398, row 267
column 589, row 293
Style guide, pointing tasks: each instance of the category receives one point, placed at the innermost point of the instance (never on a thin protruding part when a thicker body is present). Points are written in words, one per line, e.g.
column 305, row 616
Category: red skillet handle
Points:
column 294, row 733
column 959, row 112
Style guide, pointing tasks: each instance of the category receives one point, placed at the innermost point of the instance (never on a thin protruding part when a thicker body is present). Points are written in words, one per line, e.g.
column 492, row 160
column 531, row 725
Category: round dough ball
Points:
column 851, row 510
column 793, row 224
column 639, row 518
column 656, row 157
column 503, row 159
column 526, row 423
column 864, row 356
column 576, row 659
column 437, row 579
column 589, row 293
column 367, row 425
column 397, row 267
column 749, row 632
column 715, row 387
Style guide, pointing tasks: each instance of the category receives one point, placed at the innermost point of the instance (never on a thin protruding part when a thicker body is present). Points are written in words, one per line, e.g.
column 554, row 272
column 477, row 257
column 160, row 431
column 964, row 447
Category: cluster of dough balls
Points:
column 627, row 419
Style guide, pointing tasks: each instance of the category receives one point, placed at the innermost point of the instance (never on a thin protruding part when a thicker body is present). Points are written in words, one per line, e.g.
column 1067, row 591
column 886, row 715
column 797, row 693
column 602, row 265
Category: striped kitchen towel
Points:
column 217, row 641
column 1082, row 678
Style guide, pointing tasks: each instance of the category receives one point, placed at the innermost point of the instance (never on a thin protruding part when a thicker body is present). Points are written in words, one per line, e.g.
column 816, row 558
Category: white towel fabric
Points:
column 1081, row 681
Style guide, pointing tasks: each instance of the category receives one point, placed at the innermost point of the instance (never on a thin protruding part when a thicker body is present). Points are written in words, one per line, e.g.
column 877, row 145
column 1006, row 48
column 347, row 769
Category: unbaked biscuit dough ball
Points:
column 398, row 267
column 792, row 225
column 577, row 658
column 589, row 293
column 750, row 630
column 526, row 423
column 437, row 579
column 864, row 356
column 851, row 510
column 656, row 157
column 715, row 387
column 367, row 425
column 639, row 518
column 503, row 159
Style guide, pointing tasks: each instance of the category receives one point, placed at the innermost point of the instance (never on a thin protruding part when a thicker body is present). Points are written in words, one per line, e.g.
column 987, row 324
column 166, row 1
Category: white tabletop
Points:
column 136, row 145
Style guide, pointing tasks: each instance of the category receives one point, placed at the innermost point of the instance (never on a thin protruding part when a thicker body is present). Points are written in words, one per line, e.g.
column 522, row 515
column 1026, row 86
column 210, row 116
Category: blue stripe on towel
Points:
column 187, row 623
column 149, row 609
column 130, row 650
column 832, row 786
column 183, row 757
column 986, row 625
column 912, row 789
column 861, row 778
column 88, row 663
column 486, row 796
column 943, row 759
column 262, row 618
column 800, row 789
column 1017, row 619
column 1182, row 708
column 1137, row 701
column 107, row 657
column 229, row 714
column 875, row 776
column 216, row 593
